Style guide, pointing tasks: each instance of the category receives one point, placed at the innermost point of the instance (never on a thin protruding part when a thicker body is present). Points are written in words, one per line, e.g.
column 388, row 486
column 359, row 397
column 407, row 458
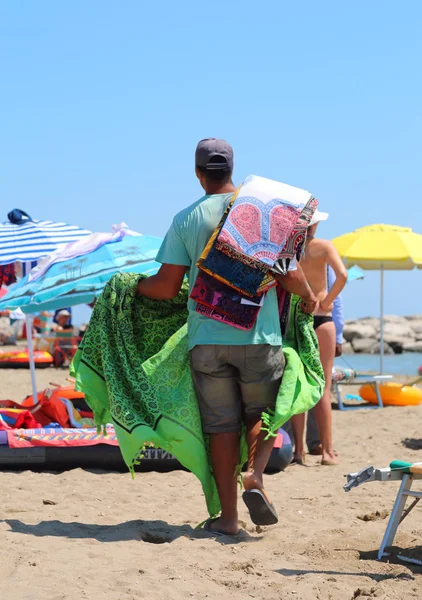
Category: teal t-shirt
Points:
column 183, row 245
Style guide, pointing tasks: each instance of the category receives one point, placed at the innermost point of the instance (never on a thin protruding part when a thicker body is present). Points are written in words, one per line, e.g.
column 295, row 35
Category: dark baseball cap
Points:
column 213, row 154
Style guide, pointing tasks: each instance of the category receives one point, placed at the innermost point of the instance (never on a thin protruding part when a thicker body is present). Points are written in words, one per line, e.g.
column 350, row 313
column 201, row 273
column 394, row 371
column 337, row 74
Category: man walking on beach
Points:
column 236, row 373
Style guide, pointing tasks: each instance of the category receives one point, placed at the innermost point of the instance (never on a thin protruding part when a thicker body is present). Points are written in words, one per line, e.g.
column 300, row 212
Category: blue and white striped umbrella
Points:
column 82, row 278
column 29, row 241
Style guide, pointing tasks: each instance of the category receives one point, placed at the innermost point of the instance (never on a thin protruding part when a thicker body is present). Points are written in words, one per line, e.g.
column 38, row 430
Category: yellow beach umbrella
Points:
column 380, row 248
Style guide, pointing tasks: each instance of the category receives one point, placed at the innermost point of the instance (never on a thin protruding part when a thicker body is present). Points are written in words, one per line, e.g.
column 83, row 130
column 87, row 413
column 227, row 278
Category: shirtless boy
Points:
column 318, row 255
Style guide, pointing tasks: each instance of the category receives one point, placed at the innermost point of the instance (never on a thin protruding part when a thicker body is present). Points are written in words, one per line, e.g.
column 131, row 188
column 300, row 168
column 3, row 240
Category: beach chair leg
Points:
column 395, row 517
column 378, row 393
column 338, row 394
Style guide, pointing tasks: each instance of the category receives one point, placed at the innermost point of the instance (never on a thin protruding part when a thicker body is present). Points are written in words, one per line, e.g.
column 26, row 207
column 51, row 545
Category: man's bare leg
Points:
column 259, row 451
column 298, row 427
column 225, row 457
column 326, row 334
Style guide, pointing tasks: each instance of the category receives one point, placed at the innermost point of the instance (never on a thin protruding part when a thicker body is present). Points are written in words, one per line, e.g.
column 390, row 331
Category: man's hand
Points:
column 324, row 306
column 309, row 305
column 339, row 350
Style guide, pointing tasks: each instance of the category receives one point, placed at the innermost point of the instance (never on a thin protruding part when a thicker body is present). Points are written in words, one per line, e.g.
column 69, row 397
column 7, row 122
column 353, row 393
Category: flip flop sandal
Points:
column 216, row 532
column 262, row 512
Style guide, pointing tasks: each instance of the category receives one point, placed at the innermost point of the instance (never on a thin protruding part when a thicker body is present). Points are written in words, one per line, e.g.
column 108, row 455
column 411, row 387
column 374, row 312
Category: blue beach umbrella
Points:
column 25, row 240
column 81, row 279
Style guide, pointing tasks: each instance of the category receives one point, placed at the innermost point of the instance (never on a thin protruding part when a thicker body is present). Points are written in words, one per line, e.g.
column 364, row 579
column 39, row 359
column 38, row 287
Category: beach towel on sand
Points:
column 133, row 366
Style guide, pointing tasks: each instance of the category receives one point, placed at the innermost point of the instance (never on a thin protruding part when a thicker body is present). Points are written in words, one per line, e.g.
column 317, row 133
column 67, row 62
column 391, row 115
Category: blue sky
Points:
column 103, row 103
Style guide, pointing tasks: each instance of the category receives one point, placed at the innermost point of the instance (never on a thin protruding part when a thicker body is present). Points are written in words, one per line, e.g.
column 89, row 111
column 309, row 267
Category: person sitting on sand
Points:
column 318, row 255
column 236, row 373
column 63, row 343
column 62, row 322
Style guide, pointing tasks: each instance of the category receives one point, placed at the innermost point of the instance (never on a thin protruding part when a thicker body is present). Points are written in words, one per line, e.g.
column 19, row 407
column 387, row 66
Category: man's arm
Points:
column 333, row 259
column 175, row 261
column 295, row 282
column 165, row 285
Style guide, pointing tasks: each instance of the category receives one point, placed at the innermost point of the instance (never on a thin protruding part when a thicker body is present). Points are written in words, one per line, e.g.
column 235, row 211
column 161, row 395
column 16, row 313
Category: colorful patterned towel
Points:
column 133, row 366
column 262, row 218
column 60, row 438
column 249, row 278
column 296, row 240
column 220, row 302
column 255, row 231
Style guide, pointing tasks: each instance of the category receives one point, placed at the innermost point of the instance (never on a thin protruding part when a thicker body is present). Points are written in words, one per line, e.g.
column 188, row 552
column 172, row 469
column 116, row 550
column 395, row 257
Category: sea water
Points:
column 394, row 364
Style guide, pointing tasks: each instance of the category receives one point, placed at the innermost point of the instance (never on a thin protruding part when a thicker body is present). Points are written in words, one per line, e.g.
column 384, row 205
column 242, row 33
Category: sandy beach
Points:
column 98, row 535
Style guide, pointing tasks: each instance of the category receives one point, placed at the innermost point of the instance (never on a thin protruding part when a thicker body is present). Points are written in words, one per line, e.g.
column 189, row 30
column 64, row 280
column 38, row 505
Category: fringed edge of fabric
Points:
column 268, row 424
column 141, row 454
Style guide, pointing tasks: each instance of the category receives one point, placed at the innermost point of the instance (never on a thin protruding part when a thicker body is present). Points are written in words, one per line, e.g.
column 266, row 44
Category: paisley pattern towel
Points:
column 296, row 240
column 255, row 232
column 262, row 218
column 249, row 278
column 133, row 366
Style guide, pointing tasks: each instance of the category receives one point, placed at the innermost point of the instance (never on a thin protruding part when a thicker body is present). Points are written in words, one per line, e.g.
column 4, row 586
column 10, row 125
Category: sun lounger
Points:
column 404, row 472
column 353, row 378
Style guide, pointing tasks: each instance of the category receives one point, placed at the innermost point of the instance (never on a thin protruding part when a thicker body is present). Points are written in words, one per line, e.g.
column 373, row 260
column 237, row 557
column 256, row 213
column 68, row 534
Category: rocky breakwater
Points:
column 401, row 334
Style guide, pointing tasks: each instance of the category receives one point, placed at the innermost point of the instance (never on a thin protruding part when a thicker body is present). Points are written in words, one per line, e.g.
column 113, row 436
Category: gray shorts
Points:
column 235, row 383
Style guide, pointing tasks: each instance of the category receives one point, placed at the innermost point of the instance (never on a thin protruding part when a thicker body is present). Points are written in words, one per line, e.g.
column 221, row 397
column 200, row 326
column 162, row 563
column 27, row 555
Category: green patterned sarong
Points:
column 133, row 366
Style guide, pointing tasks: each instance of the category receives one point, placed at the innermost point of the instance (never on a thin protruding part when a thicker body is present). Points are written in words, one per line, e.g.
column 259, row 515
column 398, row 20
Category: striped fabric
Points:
column 28, row 266
column 31, row 241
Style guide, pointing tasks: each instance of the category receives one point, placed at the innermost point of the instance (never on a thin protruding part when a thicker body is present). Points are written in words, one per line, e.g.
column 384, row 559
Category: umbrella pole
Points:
column 382, row 321
column 28, row 321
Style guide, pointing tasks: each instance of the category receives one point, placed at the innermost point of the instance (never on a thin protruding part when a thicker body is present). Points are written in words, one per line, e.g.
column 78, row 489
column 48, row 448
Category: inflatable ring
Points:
column 20, row 360
column 392, row 394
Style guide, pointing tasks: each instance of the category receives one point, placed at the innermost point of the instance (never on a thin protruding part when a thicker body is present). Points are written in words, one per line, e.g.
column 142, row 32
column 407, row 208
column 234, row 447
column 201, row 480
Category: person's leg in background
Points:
column 298, row 426
column 326, row 334
column 312, row 434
